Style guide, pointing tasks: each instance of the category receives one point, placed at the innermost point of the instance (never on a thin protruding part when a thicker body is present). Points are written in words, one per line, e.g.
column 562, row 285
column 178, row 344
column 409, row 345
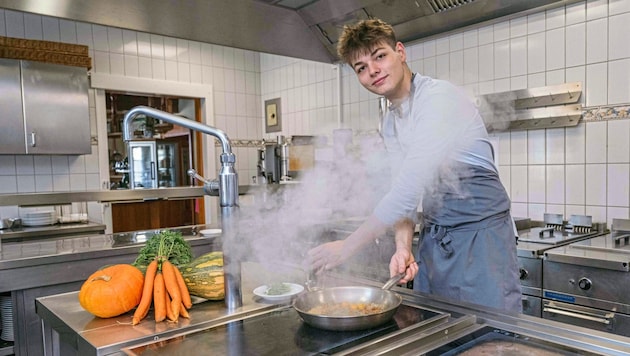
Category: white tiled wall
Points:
column 308, row 92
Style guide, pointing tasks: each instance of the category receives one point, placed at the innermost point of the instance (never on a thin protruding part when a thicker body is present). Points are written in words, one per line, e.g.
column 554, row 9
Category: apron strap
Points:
column 439, row 234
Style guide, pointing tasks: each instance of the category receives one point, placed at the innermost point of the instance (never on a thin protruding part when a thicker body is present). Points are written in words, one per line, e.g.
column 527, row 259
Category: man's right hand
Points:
column 403, row 261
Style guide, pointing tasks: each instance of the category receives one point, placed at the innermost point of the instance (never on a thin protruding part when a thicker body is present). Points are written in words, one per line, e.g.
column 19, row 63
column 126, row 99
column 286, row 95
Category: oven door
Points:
column 592, row 318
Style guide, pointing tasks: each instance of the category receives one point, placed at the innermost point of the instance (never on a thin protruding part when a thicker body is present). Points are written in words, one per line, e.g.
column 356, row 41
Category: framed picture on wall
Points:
column 273, row 120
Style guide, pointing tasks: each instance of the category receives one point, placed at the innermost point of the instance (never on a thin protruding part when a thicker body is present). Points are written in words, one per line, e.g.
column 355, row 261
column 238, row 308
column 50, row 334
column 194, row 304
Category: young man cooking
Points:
column 442, row 158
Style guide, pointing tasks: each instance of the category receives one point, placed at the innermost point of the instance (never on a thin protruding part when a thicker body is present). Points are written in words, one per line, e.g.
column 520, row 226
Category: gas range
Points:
column 587, row 282
column 608, row 251
column 534, row 241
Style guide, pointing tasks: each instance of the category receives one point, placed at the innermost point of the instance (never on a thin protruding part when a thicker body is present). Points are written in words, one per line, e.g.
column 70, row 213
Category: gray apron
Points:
column 467, row 248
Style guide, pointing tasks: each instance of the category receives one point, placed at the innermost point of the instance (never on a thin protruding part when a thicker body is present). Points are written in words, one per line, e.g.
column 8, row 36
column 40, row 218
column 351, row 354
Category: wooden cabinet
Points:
column 45, row 108
column 134, row 216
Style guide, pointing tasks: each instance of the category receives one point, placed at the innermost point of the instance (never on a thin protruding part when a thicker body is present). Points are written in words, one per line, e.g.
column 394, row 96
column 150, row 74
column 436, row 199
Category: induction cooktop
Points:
column 282, row 332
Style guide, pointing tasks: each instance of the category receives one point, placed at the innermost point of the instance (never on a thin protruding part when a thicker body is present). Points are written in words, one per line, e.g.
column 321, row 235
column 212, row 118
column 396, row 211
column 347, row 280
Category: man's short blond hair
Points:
column 362, row 37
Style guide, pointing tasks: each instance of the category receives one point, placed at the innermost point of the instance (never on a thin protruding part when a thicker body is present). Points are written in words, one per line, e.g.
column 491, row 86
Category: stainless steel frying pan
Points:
column 390, row 301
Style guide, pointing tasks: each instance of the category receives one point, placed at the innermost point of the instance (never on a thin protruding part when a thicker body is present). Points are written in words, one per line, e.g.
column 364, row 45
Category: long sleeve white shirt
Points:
column 436, row 124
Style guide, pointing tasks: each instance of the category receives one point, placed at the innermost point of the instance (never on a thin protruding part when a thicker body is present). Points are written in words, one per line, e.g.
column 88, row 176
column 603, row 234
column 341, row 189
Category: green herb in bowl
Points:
column 278, row 289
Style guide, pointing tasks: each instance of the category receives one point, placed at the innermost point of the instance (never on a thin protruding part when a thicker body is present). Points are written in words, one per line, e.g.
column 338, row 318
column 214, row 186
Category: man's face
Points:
column 381, row 71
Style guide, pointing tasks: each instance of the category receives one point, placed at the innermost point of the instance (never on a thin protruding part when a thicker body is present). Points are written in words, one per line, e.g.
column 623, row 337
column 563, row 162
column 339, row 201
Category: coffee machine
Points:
column 282, row 160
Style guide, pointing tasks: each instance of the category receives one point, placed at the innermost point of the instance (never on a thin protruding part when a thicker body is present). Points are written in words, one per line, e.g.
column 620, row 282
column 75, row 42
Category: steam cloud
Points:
column 287, row 220
column 497, row 110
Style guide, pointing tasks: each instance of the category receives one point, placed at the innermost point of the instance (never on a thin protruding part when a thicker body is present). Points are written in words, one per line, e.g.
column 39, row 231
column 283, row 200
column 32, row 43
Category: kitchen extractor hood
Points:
column 306, row 29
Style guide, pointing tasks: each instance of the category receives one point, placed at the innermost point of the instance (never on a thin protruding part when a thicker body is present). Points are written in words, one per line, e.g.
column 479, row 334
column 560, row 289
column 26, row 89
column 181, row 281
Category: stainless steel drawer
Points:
column 592, row 318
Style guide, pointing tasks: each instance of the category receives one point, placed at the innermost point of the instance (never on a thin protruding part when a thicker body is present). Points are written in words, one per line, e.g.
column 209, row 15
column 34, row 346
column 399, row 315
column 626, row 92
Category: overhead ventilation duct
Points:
column 443, row 5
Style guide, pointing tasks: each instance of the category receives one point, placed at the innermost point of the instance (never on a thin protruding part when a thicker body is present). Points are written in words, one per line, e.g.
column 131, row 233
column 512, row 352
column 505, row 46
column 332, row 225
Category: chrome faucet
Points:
column 227, row 186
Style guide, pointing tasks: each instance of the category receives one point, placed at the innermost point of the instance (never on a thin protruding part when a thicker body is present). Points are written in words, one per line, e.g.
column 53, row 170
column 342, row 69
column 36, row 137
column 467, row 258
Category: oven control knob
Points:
column 585, row 283
column 522, row 273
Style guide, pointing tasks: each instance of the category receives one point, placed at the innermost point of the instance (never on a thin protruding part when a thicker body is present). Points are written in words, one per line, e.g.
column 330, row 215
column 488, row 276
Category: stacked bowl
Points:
column 6, row 313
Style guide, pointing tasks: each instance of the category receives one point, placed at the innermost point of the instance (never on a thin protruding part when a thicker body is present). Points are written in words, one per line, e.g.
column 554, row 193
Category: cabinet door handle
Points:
column 152, row 170
column 605, row 319
column 33, row 142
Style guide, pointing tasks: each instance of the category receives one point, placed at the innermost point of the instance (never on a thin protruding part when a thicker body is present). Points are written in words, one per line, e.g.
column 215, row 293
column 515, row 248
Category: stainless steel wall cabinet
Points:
column 44, row 108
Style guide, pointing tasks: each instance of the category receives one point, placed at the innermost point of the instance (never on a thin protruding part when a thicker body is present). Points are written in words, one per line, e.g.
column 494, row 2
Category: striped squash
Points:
column 204, row 276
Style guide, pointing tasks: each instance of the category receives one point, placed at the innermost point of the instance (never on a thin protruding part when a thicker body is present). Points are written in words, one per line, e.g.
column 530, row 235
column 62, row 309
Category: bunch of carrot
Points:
column 164, row 286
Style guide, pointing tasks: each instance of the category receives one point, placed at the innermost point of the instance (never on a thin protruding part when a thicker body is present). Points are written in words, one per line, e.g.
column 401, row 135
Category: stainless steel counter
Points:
column 66, row 323
column 32, row 269
column 83, row 247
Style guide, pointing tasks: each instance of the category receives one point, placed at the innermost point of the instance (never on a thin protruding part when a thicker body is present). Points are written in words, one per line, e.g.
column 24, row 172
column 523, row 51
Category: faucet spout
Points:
column 228, row 195
column 127, row 132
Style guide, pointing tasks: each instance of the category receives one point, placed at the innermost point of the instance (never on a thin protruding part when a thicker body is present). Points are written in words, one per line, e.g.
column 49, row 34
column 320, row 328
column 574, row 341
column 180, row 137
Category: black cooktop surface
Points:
column 279, row 332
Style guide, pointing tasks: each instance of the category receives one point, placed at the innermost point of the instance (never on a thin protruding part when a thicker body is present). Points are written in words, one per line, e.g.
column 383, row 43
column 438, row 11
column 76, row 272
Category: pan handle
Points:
column 392, row 281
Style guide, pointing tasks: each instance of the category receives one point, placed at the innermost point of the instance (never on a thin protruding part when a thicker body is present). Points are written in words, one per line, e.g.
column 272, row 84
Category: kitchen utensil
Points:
column 383, row 297
column 10, row 223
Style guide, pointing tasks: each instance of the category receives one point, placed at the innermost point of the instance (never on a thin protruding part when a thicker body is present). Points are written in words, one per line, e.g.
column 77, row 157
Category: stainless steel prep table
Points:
column 37, row 268
column 89, row 335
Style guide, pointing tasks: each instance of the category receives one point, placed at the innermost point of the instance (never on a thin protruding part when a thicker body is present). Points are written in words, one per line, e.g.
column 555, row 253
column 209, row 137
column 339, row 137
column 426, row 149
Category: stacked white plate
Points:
column 211, row 232
column 6, row 313
column 40, row 218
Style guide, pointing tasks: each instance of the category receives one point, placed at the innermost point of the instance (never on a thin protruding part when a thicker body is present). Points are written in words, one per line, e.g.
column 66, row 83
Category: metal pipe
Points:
column 228, row 194
column 283, row 147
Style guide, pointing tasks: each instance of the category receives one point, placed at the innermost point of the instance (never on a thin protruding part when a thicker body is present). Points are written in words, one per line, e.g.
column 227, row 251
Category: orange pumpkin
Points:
column 112, row 291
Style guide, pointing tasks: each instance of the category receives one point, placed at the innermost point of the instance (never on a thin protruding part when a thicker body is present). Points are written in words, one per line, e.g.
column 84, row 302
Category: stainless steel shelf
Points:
column 55, row 230
column 120, row 195
column 534, row 108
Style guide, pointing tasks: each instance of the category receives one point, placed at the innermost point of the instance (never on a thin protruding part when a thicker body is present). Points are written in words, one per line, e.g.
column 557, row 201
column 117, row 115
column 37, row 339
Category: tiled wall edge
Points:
column 604, row 113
